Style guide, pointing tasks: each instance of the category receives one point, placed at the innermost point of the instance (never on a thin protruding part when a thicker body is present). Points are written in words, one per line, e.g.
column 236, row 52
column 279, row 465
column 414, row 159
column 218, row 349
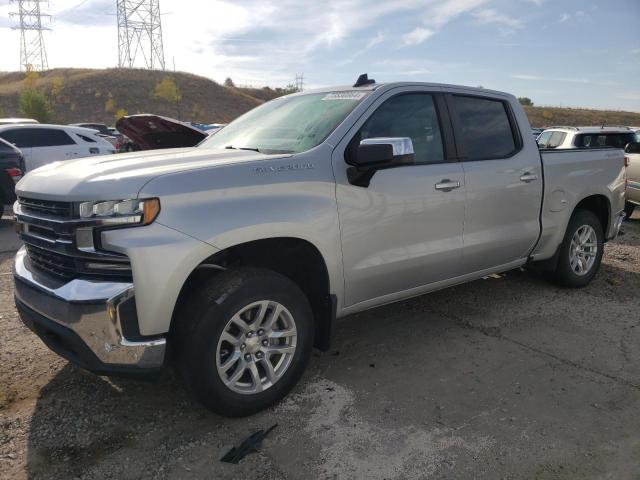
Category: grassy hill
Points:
column 78, row 95
column 82, row 95
column 545, row 116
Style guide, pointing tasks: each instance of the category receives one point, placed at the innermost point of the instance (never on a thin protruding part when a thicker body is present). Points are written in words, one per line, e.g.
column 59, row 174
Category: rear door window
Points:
column 51, row 137
column 483, row 128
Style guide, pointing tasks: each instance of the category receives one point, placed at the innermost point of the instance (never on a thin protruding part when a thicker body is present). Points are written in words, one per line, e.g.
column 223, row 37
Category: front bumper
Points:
column 86, row 321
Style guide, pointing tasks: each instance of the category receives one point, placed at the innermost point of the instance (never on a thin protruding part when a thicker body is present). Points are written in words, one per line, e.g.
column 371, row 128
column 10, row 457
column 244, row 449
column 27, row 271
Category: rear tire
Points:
column 224, row 343
column 628, row 209
column 581, row 251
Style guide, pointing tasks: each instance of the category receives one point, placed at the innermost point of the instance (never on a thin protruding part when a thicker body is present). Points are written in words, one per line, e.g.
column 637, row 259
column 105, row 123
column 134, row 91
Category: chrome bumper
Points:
column 90, row 312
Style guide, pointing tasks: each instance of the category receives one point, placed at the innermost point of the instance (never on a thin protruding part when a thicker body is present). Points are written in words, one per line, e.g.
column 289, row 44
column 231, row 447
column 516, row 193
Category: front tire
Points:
column 581, row 251
column 243, row 340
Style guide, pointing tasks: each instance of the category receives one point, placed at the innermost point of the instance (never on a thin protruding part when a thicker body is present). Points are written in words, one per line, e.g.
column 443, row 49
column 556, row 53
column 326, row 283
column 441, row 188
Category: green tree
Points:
column 526, row 101
column 229, row 83
column 34, row 104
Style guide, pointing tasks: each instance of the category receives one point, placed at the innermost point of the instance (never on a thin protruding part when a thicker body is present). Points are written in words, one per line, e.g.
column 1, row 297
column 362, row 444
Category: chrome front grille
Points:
column 52, row 262
column 61, row 210
column 50, row 231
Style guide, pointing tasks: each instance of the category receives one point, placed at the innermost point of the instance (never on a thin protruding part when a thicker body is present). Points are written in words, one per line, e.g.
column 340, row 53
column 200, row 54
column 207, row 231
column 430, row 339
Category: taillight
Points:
column 14, row 173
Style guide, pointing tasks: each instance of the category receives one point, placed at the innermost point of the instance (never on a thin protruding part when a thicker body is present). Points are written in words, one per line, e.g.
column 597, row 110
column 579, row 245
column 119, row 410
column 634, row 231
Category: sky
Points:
column 579, row 53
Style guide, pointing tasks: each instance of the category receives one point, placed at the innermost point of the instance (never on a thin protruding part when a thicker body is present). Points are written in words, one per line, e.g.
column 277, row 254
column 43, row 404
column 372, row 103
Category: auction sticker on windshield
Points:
column 345, row 96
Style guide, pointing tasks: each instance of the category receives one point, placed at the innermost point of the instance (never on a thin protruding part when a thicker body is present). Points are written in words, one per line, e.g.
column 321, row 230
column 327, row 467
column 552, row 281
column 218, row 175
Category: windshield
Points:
column 288, row 124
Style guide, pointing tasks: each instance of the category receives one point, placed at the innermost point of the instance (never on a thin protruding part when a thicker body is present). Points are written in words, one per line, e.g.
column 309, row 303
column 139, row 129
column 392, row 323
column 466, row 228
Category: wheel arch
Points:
column 295, row 258
column 598, row 204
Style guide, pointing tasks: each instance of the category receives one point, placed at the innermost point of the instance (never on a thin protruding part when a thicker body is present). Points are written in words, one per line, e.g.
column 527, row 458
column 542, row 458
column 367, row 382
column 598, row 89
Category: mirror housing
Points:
column 633, row 148
column 375, row 154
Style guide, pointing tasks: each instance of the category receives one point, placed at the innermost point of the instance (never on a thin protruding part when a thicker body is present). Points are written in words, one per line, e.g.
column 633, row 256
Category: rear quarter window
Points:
column 483, row 128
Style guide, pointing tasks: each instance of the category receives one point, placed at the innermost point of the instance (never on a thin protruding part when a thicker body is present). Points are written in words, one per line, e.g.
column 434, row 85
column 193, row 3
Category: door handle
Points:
column 447, row 185
column 528, row 177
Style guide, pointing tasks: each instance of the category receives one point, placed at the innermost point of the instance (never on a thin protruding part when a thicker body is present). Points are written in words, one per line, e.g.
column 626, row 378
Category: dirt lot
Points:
column 503, row 378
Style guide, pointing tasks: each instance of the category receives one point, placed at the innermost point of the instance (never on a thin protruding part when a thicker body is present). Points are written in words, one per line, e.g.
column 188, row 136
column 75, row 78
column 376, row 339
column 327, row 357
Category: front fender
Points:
column 290, row 197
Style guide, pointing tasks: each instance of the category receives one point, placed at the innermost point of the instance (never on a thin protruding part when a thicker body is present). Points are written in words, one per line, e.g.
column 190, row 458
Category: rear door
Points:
column 51, row 145
column 403, row 230
column 503, row 181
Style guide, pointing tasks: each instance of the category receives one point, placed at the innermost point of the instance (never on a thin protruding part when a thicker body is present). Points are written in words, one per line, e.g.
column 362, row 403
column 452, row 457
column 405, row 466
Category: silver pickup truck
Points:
column 232, row 260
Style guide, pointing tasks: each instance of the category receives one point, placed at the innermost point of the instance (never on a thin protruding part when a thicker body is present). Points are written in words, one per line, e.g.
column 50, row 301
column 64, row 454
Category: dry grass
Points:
column 78, row 95
column 546, row 116
column 83, row 95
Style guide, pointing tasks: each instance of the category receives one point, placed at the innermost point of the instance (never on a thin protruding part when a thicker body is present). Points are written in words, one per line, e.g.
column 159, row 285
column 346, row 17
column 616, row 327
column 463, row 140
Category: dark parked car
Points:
column 11, row 168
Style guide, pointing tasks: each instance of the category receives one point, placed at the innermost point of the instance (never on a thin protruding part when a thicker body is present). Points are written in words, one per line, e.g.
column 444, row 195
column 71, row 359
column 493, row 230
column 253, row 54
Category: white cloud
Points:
column 579, row 80
column 490, row 16
column 448, row 10
column 417, row 36
column 252, row 41
column 564, row 17
column 373, row 41
column 526, row 77
column 629, row 95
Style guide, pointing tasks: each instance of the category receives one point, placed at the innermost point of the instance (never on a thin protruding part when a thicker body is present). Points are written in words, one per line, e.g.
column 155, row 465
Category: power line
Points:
column 140, row 34
column 299, row 82
column 33, row 54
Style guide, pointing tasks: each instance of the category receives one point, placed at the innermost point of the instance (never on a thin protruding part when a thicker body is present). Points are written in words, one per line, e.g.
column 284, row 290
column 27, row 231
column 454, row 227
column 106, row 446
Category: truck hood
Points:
column 114, row 177
column 152, row 132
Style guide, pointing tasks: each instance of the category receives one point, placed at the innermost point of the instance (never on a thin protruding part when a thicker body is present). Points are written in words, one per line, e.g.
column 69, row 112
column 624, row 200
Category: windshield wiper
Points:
column 253, row 149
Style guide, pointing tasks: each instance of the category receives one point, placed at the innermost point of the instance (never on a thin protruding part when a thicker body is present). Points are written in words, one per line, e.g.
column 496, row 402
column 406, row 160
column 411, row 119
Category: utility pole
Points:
column 299, row 82
column 33, row 55
column 140, row 34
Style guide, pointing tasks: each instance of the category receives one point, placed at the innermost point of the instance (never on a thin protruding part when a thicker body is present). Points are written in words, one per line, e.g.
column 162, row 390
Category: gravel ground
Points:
column 506, row 377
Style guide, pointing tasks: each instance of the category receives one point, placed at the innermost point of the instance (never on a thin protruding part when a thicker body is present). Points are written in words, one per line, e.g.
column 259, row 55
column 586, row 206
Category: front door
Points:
column 405, row 229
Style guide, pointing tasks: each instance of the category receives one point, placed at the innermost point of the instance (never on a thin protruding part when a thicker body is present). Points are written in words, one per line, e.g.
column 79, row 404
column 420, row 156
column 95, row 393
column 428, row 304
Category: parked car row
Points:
column 41, row 144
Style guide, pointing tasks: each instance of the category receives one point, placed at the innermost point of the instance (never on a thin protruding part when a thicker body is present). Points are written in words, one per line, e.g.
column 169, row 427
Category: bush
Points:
column 34, row 104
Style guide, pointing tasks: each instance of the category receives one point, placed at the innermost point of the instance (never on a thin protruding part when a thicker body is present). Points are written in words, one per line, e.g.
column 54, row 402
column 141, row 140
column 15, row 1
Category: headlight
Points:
column 122, row 212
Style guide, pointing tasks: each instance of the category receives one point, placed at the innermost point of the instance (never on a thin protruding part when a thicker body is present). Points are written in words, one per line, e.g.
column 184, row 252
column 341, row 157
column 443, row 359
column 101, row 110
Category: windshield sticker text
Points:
column 344, row 96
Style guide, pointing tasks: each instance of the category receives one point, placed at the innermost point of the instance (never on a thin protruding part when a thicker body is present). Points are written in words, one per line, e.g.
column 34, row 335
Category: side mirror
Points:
column 633, row 147
column 375, row 154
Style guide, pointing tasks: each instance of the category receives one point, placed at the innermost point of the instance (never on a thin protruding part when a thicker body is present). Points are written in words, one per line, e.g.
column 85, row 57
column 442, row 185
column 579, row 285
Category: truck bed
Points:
column 568, row 176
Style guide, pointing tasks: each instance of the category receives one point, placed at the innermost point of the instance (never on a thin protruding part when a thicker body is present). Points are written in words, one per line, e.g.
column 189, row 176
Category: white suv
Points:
column 586, row 137
column 42, row 144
